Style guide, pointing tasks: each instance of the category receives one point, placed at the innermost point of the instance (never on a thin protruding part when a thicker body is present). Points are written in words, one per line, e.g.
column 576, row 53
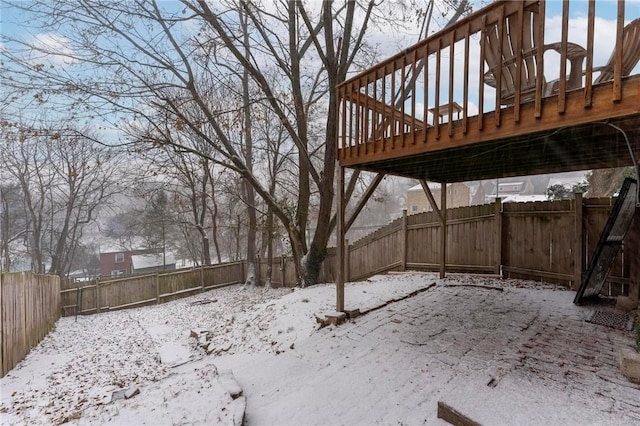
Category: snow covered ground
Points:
column 499, row 351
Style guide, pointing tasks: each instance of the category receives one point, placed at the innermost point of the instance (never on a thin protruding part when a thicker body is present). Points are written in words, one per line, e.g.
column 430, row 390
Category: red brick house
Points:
column 116, row 263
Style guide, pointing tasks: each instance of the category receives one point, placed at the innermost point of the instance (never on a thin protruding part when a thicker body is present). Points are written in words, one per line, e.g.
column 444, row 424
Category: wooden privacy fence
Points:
column 110, row 294
column 29, row 307
column 414, row 242
column 101, row 295
column 550, row 241
column 283, row 270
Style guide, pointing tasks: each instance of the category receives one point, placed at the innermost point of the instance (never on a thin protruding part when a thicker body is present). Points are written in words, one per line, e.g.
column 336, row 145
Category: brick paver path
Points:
column 518, row 356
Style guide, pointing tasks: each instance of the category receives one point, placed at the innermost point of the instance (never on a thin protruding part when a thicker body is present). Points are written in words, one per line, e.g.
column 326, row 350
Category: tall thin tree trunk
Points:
column 252, row 279
column 304, row 179
column 269, row 225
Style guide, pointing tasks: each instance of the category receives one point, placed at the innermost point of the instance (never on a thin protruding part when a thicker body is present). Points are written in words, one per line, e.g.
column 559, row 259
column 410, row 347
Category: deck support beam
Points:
column 342, row 249
column 340, row 229
column 369, row 192
column 431, row 198
column 442, row 215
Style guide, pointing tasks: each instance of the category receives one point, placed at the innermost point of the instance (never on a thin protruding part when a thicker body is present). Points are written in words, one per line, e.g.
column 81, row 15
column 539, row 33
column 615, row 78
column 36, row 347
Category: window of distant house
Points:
column 414, row 208
column 119, row 257
column 117, row 273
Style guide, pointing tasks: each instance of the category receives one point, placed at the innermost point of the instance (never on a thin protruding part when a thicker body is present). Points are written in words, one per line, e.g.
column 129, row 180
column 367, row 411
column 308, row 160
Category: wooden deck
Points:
column 486, row 98
column 570, row 121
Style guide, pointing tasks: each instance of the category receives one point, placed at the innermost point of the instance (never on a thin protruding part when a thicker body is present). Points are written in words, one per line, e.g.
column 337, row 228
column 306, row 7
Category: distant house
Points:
column 510, row 190
column 116, row 263
column 152, row 262
column 517, row 198
column 479, row 191
column 458, row 195
column 530, row 188
column 518, row 190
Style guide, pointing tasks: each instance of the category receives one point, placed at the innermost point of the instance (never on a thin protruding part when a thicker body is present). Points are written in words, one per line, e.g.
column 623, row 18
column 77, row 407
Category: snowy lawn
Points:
column 500, row 351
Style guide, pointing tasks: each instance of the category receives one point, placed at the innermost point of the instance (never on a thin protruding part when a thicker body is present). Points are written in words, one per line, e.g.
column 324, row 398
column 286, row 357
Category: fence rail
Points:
column 550, row 241
column 120, row 293
column 29, row 307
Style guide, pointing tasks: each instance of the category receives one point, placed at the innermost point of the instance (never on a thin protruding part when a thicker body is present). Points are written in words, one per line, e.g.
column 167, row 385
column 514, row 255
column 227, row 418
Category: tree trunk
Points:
column 318, row 249
column 206, row 252
column 213, row 211
column 6, row 257
column 250, row 197
column 269, row 226
column 304, row 181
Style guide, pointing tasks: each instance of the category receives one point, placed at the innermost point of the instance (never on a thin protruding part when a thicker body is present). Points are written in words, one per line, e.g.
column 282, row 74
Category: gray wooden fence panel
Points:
column 29, row 308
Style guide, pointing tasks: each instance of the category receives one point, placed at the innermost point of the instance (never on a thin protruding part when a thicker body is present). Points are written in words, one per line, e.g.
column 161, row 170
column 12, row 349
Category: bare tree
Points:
column 606, row 182
column 192, row 186
column 12, row 224
column 274, row 151
column 64, row 179
column 143, row 60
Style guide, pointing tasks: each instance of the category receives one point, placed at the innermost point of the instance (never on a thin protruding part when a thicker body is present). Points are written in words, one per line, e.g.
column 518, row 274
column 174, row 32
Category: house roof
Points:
column 518, row 198
column 435, row 186
column 143, row 261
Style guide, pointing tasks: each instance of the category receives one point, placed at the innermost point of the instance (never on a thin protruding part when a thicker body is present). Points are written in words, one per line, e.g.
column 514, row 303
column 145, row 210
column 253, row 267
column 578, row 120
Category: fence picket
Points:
column 543, row 240
column 29, row 307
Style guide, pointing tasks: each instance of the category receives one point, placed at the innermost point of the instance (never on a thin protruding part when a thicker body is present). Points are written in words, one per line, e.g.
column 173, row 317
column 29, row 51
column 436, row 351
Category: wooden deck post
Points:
column 442, row 215
column 498, row 235
column 443, row 243
column 578, row 242
column 340, row 243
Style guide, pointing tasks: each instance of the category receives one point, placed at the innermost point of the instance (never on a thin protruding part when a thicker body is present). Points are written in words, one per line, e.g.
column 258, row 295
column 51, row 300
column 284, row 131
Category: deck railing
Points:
column 477, row 71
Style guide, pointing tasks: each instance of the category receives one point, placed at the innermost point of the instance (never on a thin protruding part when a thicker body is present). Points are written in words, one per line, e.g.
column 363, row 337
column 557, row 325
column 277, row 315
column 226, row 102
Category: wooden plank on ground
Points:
column 453, row 416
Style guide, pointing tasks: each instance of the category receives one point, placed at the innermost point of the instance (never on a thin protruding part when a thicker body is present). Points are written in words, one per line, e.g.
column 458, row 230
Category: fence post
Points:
column 634, row 257
column 2, row 327
column 58, row 298
column 403, row 247
column 578, row 242
column 156, row 280
column 283, row 261
column 347, row 266
column 23, row 296
column 201, row 278
column 258, row 270
column 98, row 295
column 498, row 235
